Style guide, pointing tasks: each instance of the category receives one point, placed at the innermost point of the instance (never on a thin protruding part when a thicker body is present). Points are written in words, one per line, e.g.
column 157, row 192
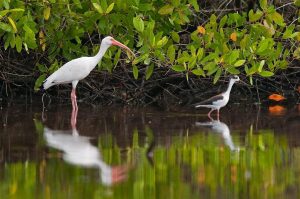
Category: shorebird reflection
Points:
column 78, row 150
column 222, row 128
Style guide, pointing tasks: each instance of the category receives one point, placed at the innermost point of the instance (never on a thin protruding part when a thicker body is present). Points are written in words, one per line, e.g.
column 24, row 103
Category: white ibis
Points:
column 218, row 101
column 220, row 127
column 78, row 69
column 78, row 150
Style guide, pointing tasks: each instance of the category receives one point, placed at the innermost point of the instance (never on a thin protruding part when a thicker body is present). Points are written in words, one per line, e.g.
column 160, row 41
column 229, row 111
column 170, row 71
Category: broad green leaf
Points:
column 171, row 53
column 18, row 43
column 178, row 68
column 223, row 21
column 165, row 10
column 135, row 71
column 217, row 75
column 200, row 53
column 263, row 45
column 162, row 42
column 5, row 27
column 278, row 18
column 110, row 8
column 47, row 13
column 263, row 4
column 39, row 82
column 198, row 72
column 138, row 24
column 233, row 70
column 261, row 65
column 231, row 57
column 194, row 4
column 255, row 16
column 98, row 8
column 239, row 62
column 175, row 37
column 266, row 73
column 149, row 71
column 13, row 24
column 42, row 68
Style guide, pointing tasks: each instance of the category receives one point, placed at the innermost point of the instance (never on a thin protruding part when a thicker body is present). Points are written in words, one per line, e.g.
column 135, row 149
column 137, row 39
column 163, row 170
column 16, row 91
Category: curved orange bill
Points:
column 116, row 43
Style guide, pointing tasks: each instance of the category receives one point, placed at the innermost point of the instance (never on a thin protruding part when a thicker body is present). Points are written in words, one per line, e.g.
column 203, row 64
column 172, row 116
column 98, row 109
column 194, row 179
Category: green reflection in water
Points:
column 196, row 165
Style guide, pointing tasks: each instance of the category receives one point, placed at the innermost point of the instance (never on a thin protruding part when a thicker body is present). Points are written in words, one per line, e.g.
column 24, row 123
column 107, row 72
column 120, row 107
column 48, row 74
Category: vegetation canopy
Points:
column 179, row 44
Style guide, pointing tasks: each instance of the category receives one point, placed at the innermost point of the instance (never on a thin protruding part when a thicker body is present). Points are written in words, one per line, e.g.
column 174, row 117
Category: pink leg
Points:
column 74, row 101
column 218, row 114
column 210, row 113
column 74, row 118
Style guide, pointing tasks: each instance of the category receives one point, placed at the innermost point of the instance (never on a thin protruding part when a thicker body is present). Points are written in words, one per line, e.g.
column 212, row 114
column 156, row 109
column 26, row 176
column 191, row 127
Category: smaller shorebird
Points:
column 222, row 128
column 218, row 101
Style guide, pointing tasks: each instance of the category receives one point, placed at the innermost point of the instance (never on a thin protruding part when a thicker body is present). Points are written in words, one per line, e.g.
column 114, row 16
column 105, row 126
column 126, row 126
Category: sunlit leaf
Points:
column 13, row 24
column 167, row 9
column 47, row 13
column 110, row 8
column 217, row 75
column 98, row 8
column 255, row 16
column 138, row 24
column 5, row 27
column 135, row 71
column 278, row 18
column 171, row 53
column 239, row 62
column 194, row 4
column 178, row 68
column 18, row 43
column 149, row 71
column 198, row 72
column 266, row 73
column 175, row 37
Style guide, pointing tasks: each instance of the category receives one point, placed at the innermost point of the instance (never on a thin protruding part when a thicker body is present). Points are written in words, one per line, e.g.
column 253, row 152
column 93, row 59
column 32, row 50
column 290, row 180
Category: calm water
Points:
column 132, row 153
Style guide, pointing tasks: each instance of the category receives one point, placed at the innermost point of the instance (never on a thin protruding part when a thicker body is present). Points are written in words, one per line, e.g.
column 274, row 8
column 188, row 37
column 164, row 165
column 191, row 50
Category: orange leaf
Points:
column 276, row 97
column 277, row 110
column 201, row 30
column 233, row 36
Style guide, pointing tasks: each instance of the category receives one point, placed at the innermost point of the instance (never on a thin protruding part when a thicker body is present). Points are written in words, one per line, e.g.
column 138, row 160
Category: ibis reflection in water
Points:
column 78, row 150
column 221, row 128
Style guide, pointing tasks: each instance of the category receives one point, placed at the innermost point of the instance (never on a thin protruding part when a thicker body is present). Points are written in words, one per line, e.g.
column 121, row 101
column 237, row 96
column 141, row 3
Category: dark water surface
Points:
column 140, row 153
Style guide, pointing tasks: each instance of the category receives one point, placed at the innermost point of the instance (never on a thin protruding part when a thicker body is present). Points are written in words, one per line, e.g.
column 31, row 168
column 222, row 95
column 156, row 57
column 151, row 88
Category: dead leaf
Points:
column 201, row 30
column 277, row 110
column 276, row 97
column 233, row 36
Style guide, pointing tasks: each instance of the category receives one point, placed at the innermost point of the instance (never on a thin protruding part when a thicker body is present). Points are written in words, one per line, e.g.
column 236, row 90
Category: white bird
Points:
column 218, row 101
column 222, row 128
column 78, row 69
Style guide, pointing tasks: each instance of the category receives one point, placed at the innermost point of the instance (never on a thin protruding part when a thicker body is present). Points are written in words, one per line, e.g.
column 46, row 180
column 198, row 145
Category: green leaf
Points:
column 138, row 24
column 239, row 62
column 263, row 4
column 265, row 73
column 149, row 71
column 263, row 45
column 135, row 71
column 194, row 4
column 232, row 56
column 223, row 21
column 175, row 36
column 178, row 68
column 13, row 24
column 165, row 10
column 42, row 68
column 255, row 16
column 278, row 18
column 171, row 53
column 200, row 53
column 98, row 8
column 162, row 42
column 261, row 65
column 39, row 82
column 18, row 43
column 233, row 70
column 110, row 8
column 217, row 75
column 198, row 72
column 5, row 27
